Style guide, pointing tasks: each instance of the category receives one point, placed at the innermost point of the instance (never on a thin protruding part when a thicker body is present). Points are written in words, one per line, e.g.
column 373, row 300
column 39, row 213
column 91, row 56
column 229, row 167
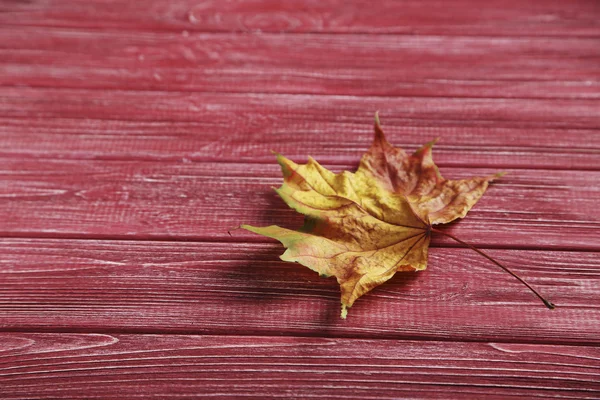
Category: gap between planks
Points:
column 296, row 93
column 290, row 335
column 185, row 31
column 338, row 96
column 333, row 162
column 61, row 236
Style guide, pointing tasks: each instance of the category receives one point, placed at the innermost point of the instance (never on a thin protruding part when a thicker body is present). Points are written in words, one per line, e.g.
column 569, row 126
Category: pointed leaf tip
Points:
column 379, row 135
column 429, row 144
column 344, row 311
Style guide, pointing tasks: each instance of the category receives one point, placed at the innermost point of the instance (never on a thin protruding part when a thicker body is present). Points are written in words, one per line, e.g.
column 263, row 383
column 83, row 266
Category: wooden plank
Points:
column 131, row 366
column 496, row 17
column 201, row 201
column 251, row 141
column 382, row 65
column 252, row 108
column 243, row 288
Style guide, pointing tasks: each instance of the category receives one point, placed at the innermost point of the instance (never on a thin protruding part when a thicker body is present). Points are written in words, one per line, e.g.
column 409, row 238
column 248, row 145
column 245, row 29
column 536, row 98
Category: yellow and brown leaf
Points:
column 363, row 227
column 434, row 198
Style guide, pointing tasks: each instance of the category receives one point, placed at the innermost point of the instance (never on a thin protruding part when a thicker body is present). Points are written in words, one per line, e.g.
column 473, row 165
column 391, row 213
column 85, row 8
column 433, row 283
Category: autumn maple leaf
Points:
column 365, row 226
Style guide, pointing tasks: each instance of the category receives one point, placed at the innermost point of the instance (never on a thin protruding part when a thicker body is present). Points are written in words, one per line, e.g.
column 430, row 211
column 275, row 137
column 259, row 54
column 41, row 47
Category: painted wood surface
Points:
column 242, row 288
column 162, row 106
column 231, row 138
column 133, row 136
column 363, row 64
column 204, row 200
column 492, row 18
column 141, row 366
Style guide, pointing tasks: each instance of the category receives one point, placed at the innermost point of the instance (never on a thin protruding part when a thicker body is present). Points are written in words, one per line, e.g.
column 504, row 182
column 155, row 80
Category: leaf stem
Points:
column 546, row 302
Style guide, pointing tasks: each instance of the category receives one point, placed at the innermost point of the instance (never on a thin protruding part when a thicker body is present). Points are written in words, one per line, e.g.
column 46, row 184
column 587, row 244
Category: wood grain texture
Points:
column 134, row 134
column 243, row 288
column 243, row 109
column 495, row 18
column 203, row 200
column 132, row 366
column 251, row 140
column 365, row 65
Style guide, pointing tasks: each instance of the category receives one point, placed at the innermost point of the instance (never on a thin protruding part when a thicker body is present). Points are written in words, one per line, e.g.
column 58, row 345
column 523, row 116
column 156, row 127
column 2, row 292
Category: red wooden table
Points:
column 133, row 135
